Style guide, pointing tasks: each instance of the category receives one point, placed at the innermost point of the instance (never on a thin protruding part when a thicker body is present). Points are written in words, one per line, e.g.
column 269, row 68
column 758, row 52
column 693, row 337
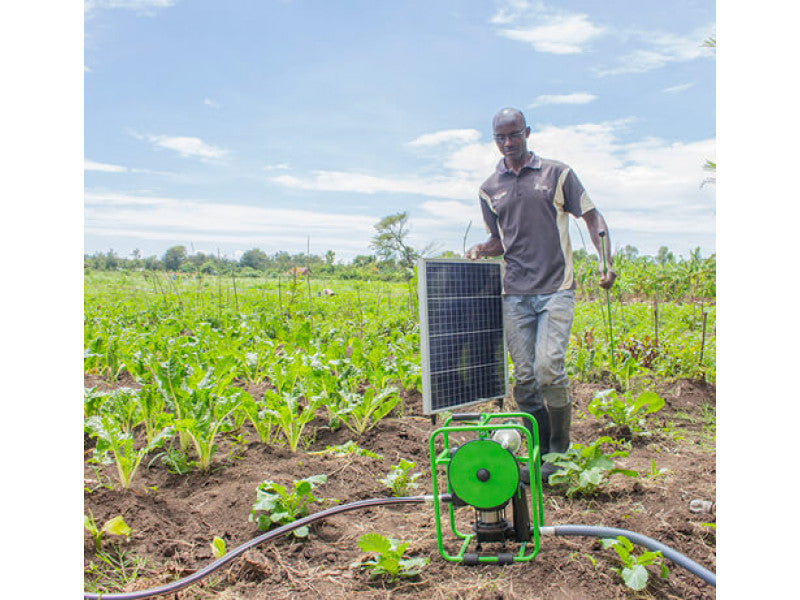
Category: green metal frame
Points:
column 484, row 429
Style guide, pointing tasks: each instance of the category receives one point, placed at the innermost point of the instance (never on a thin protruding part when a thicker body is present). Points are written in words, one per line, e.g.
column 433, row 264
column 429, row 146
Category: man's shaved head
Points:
column 509, row 115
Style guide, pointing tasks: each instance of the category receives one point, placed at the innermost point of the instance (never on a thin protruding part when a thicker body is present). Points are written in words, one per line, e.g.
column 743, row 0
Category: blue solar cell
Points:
column 461, row 322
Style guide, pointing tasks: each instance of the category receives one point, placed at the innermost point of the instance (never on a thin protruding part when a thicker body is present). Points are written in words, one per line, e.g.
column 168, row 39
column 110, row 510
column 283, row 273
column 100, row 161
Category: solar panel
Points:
column 461, row 333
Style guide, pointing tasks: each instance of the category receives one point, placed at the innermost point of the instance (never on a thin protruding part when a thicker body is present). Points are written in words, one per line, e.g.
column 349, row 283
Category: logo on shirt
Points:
column 500, row 195
column 543, row 187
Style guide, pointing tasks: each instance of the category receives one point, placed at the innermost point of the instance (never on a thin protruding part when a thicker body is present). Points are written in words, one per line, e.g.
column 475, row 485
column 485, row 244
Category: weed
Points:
column 115, row 570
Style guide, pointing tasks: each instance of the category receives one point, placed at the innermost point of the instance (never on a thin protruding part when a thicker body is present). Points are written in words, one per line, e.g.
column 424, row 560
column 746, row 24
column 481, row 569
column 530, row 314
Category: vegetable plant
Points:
column 360, row 412
column 206, row 415
column 290, row 416
column 388, row 560
column 114, row 526
column 278, row 505
column 348, row 448
column 623, row 412
column 112, row 437
column 400, row 479
column 218, row 547
column 584, row 469
column 633, row 571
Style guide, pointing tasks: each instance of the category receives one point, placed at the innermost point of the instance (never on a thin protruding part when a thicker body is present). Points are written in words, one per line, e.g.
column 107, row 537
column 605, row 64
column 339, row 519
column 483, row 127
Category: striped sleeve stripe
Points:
column 562, row 222
column 586, row 204
column 486, row 198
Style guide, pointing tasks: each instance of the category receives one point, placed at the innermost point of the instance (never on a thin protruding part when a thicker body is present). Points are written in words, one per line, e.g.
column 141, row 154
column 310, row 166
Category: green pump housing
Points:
column 492, row 478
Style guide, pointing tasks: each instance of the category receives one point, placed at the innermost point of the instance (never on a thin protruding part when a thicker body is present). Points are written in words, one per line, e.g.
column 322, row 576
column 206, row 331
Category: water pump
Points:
column 491, row 470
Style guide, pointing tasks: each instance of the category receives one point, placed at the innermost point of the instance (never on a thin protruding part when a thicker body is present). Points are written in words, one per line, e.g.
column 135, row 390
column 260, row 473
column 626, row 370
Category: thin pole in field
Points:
column 655, row 318
column 235, row 295
column 602, row 235
column 308, row 280
column 360, row 311
column 219, row 284
column 703, row 339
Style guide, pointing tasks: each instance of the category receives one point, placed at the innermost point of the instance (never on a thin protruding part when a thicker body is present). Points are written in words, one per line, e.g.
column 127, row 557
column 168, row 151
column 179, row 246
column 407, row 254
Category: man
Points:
column 525, row 204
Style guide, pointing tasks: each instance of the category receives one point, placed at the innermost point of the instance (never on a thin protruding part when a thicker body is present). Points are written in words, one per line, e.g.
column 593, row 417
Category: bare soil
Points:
column 175, row 517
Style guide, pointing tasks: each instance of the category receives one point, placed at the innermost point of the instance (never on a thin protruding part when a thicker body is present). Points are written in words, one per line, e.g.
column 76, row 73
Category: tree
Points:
column 112, row 261
column 174, row 257
column 390, row 241
column 255, row 259
column 362, row 260
column 664, row 256
column 151, row 263
column 330, row 256
column 629, row 252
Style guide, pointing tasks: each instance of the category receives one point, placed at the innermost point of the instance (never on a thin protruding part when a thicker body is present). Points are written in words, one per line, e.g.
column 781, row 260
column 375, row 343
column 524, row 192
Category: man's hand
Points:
column 607, row 279
column 492, row 247
column 476, row 251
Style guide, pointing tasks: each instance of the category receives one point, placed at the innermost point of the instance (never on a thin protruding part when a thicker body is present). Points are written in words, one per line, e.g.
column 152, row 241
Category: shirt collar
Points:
column 534, row 162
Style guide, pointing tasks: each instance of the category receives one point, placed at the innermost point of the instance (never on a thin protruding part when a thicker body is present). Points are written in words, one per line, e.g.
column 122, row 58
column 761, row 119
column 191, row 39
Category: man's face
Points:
column 511, row 137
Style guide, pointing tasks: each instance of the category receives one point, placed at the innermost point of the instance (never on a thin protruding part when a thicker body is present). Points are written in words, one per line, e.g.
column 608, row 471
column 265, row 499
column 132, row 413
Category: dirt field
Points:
column 175, row 517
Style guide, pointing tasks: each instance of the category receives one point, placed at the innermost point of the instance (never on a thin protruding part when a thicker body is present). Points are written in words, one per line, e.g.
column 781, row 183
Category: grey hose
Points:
column 635, row 538
column 274, row 533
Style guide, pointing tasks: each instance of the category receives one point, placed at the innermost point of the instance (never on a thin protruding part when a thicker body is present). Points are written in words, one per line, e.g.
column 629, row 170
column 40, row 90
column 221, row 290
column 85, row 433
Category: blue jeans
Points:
column 537, row 334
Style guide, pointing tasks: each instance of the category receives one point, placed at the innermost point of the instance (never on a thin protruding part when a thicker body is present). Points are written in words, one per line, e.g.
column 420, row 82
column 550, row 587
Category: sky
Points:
column 295, row 125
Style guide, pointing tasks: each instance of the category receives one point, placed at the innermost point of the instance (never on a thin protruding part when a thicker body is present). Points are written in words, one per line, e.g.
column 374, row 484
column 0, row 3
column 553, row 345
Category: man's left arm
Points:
column 595, row 223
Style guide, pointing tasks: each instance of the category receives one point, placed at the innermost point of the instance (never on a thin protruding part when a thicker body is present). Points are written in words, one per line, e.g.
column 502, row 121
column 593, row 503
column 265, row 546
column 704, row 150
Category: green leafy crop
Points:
column 625, row 413
column 388, row 558
column 633, row 571
column 584, row 469
column 114, row 526
column 400, row 479
column 278, row 505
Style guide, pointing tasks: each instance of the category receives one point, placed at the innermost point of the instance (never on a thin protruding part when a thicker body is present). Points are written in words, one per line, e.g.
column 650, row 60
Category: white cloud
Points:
column 557, row 34
column 447, row 136
column 660, row 49
column 211, row 103
column 277, row 167
column 191, row 147
column 549, row 30
column 677, row 89
column 574, row 98
column 90, row 165
column 509, row 11
column 446, row 186
column 142, row 7
column 555, row 31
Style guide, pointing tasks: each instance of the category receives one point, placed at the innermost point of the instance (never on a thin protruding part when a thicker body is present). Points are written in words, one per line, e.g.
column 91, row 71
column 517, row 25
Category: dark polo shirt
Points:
column 529, row 213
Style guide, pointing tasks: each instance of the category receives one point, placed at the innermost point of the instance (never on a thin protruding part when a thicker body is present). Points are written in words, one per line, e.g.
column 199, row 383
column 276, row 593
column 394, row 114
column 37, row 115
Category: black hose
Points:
column 635, row 538
column 221, row 562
